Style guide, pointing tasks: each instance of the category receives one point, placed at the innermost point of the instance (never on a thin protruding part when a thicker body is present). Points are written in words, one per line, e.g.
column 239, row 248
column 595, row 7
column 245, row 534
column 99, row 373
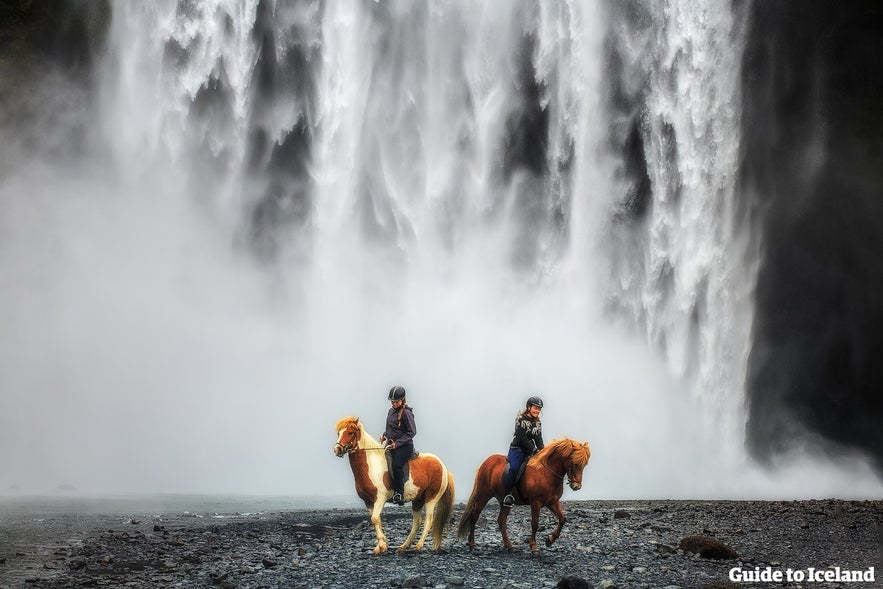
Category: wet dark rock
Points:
column 621, row 514
column 707, row 547
column 572, row 582
column 415, row 581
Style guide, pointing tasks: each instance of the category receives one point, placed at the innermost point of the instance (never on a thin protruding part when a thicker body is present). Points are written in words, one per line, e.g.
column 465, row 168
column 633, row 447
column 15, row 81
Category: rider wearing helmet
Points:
column 527, row 441
column 400, row 431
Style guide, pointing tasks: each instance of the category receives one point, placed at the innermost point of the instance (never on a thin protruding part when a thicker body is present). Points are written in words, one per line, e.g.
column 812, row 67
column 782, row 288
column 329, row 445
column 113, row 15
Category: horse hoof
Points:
column 549, row 541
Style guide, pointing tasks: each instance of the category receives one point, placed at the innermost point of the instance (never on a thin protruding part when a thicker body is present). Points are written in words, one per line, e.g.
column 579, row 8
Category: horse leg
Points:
column 555, row 508
column 416, row 517
column 477, row 508
column 378, row 526
column 501, row 521
column 427, row 525
column 535, row 507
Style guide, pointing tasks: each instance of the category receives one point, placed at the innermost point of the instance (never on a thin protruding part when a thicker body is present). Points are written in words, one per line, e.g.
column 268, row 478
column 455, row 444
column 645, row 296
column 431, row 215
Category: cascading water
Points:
column 687, row 274
column 294, row 205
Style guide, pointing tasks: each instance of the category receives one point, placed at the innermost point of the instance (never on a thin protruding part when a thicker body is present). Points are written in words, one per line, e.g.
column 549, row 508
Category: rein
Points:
column 566, row 476
column 350, row 448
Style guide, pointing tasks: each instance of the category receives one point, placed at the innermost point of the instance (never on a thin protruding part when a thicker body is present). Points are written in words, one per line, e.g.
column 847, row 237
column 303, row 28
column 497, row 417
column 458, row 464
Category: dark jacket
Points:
column 528, row 434
column 404, row 432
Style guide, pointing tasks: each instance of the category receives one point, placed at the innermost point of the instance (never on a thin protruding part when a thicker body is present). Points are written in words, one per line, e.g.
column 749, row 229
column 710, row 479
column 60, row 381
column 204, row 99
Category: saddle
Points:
column 517, row 477
column 406, row 470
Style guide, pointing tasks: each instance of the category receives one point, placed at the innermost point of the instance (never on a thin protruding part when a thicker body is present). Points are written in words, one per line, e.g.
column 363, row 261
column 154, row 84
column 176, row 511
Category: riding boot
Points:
column 397, row 485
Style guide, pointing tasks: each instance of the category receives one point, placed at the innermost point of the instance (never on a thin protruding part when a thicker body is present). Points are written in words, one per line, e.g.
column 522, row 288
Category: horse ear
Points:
column 357, row 421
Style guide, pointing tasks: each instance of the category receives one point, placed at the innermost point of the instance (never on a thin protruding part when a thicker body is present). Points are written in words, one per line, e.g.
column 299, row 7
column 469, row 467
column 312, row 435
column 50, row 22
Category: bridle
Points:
column 347, row 448
column 568, row 474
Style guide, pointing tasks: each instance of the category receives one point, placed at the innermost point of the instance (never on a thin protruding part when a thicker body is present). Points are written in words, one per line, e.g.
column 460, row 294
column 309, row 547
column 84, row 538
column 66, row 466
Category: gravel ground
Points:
column 605, row 544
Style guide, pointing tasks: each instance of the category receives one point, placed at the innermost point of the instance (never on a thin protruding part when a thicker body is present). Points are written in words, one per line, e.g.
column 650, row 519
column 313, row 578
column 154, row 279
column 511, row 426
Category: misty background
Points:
column 224, row 225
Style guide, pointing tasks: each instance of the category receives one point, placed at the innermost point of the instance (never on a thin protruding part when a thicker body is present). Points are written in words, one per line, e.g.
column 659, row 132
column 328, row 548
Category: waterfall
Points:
column 305, row 203
column 684, row 265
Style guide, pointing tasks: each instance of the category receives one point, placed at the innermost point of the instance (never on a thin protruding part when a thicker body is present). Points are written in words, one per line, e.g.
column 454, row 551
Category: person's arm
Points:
column 388, row 432
column 409, row 428
column 539, row 437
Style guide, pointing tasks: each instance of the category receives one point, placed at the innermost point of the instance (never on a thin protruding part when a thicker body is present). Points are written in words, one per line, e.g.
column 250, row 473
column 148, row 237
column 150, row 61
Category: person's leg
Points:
column 399, row 458
column 515, row 458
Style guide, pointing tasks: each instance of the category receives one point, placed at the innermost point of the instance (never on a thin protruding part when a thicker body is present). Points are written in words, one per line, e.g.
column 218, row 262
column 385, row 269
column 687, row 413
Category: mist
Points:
column 193, row 294
column 143, row 354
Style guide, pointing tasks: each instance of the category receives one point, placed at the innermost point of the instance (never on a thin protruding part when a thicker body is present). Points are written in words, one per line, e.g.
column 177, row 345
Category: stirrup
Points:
column 508, row 500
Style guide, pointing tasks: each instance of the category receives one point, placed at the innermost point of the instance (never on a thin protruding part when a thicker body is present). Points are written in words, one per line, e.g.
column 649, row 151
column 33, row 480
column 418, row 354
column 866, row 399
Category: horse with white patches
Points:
column 430, row 485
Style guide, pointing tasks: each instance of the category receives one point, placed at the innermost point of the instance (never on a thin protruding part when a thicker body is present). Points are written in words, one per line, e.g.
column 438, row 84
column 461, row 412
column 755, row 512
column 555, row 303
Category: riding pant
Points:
column 400, row 457
column 515, row 458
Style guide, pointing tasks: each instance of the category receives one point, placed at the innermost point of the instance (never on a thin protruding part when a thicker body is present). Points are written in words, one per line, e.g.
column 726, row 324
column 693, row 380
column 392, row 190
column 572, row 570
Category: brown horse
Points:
column 541, row 485
column 429, row 484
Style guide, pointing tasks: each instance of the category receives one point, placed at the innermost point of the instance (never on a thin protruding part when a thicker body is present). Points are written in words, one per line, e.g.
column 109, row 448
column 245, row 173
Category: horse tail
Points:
column 443, row 512
column 465, row 526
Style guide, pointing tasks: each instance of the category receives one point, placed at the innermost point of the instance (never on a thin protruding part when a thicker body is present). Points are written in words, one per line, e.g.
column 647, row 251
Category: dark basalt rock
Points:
column 707, row 547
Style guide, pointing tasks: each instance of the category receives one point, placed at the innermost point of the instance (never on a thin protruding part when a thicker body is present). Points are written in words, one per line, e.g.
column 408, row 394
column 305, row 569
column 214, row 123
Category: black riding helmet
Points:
column 396, row 393
column 535, row 401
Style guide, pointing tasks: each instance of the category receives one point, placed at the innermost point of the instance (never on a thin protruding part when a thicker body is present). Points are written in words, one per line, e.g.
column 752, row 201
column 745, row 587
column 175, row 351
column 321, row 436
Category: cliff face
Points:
column 813, row 155
column 67, row 33
column 49, row 50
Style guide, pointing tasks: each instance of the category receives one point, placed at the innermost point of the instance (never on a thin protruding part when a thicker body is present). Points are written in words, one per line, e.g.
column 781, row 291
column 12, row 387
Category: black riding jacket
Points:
column 528, row 434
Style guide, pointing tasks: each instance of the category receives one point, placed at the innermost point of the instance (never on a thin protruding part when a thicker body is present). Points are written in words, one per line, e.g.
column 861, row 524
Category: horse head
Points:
column 579, row 457
column 349, row 432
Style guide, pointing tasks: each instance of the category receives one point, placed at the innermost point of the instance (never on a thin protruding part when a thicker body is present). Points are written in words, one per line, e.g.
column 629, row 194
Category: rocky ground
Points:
column 605, row 544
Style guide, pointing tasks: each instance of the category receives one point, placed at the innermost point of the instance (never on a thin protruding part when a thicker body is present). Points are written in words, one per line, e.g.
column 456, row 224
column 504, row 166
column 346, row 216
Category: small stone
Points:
column 268, row 564
column 621, row 514
column 606, row 584
column 639, row 570
column 455, row 581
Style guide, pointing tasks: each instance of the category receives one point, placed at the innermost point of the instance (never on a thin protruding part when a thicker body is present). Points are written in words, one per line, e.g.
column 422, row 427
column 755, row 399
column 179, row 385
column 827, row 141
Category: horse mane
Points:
column 565, row 448
column 367, row 440
column 344, row 422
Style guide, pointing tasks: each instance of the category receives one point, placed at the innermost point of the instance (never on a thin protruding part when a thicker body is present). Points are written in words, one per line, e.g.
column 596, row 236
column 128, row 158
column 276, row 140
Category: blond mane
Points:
column 345, row 422
column 565, row 448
